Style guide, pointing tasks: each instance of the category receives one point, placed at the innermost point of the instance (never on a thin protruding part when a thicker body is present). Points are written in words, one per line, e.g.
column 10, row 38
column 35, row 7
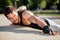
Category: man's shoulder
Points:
column 28, row 12
column 20, row 11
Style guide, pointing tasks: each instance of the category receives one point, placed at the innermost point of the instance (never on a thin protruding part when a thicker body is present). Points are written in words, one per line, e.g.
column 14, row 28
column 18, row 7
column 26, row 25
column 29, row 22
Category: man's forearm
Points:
column 38, row 21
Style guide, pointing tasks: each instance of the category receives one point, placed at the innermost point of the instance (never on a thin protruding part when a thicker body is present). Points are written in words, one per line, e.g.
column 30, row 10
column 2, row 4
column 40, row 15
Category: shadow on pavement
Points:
column 15, row 30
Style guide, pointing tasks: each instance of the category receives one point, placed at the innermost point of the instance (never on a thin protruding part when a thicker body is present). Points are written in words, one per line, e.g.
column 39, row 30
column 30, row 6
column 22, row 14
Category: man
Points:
column 26, row 18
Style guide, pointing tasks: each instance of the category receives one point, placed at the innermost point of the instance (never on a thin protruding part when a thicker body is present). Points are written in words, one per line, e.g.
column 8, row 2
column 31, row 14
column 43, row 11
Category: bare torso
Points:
column 26, row 18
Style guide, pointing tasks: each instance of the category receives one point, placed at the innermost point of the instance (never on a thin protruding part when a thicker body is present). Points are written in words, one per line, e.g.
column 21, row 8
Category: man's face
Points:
column 13, row 17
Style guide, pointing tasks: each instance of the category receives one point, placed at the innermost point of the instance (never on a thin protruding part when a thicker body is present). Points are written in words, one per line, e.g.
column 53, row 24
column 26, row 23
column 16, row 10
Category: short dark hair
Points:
column 8, row 9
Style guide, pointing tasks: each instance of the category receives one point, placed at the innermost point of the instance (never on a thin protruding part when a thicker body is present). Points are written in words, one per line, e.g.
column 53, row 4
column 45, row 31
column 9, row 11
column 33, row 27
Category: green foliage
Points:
column 56, row 2
column 31, row 4
column 4, row 3
column 43, row 4
column 22, row 2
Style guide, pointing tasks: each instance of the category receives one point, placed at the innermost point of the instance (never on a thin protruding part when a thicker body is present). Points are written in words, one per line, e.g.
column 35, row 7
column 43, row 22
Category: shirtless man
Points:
column 22, row 16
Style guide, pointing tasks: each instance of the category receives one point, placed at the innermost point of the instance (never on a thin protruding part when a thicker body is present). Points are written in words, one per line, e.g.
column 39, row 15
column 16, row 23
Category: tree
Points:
column 32, row 4
column 22, row 2
column 50, row 3
column 4, row 3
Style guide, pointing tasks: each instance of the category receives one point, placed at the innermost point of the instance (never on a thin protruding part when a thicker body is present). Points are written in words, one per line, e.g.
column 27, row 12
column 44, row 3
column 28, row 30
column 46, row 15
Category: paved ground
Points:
column 22, row 33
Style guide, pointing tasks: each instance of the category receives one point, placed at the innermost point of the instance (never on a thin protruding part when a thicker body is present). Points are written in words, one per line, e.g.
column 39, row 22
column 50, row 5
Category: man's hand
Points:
column 51, row 33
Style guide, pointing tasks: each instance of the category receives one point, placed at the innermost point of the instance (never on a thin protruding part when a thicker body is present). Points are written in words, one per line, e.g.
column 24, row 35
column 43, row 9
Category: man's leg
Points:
column 53, row 24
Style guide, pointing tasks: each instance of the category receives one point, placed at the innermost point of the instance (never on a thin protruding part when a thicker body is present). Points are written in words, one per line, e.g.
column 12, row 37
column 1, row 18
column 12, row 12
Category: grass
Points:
column 47, row 14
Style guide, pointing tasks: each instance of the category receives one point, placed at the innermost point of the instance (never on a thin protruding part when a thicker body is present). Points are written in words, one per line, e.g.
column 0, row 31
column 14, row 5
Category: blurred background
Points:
column 33, row 5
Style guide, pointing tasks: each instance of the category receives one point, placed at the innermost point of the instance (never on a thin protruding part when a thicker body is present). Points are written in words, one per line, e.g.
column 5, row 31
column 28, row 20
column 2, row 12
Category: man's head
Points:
column 12, row 14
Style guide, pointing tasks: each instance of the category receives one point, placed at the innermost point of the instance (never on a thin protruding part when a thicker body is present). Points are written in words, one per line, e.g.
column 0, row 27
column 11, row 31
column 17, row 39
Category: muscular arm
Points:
column 34, row 19
column 38, row 21
column 30, row 16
